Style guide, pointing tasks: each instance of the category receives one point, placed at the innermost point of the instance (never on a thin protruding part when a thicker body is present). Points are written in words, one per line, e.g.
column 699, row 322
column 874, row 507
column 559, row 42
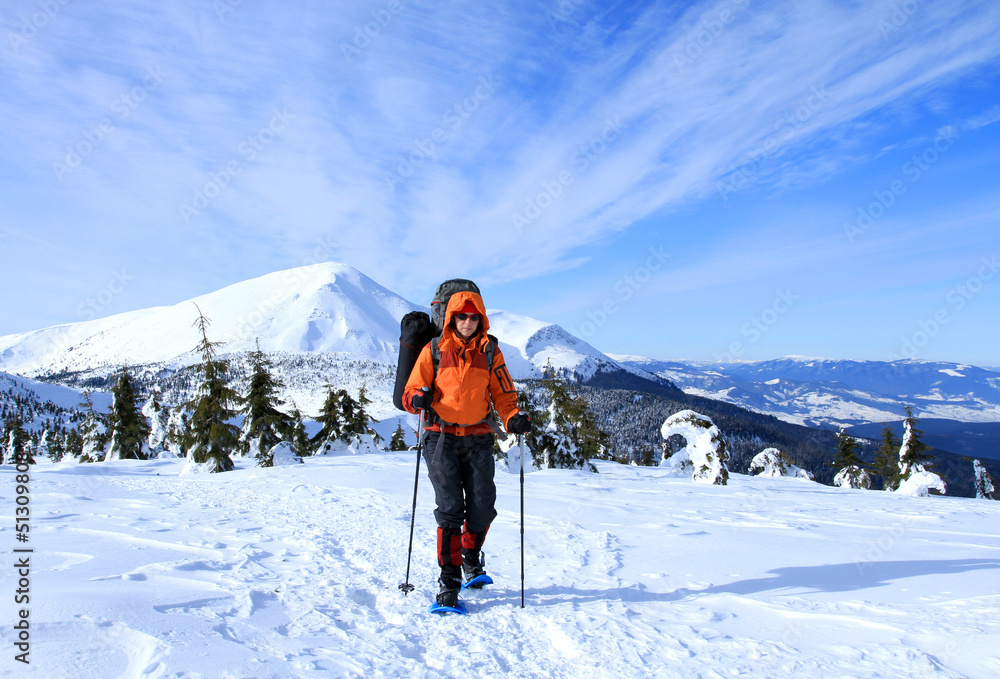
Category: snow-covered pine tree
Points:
column 985, row 488
column 538, row 439
column 126, row 424
column 211, row 437
column 887, row 459
column 19, row 449
column 852, row 473
column 57, row 446
column 42, row 447
column 73, row 445
column 331, row 423
column 398, row 440
column 265, row 426
column 914, row 476
column 772, row 463
column 705, row 453
column 570, row 437
column 159, row 420
column 299, row 438
column 913, row 455
column 177, row 431
column 92, row 432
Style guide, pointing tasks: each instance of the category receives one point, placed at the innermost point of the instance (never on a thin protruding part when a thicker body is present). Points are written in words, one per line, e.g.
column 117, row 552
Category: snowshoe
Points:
column 447, row 598
column 438, row 609
column 474, row 569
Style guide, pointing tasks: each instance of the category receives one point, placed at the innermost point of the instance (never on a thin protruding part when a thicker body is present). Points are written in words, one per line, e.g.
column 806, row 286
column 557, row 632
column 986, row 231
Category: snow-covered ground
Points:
column 293, row 572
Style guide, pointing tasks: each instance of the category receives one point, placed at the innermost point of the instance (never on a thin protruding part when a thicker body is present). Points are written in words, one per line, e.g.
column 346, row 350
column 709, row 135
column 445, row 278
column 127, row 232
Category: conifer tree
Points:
column 357, row 421
column 91, row 431
column 299, row 437
column 265, row 426
column 646, row 456
column 538, row 439
column 73, row 445
column 331, row 422
column 398, row 440
column 177, row 431
column 913, row 455
column 42, row 448
column 592, row 441
column 985, row 488
column 19, row 448
column 57, row 446
column 127, row 425
column 159, row 421
column 211, row 437
column 570, row 438
column 887, row 459
column 852, row 473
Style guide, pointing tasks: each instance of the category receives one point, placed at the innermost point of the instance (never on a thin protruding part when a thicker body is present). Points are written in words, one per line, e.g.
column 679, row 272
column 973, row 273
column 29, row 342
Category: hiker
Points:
column 460, row 398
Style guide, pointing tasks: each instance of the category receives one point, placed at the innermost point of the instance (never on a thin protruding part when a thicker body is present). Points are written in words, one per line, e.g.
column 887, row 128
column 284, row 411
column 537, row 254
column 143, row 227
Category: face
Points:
column 466, row 327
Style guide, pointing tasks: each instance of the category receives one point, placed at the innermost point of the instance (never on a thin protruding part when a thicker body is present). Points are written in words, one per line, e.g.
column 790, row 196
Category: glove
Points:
column 422, row 401
column 519, row 424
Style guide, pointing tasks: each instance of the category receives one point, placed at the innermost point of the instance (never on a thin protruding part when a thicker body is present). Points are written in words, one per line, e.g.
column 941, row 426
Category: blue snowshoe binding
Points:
column 447, row 598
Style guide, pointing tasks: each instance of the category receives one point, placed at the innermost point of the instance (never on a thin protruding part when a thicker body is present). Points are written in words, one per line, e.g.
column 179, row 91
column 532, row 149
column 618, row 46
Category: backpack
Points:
column 417, row 329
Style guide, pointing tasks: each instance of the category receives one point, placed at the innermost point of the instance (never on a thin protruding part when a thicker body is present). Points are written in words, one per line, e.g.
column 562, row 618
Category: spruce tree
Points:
column 538, row 439
column 331, row 422
column 159, row 422
column 570, row 437
column 299, row 437
column 357, row 421
column 265, row 426
column 985, row 488
column 852, row 473
column 913, row 455
column 57, row 447
column 19, row 448
column 126, row 423
column 176, row 439
column 73, row 445
column 91, row 431
column 43, row 447
column 887, row 459
column 593, row 442
column 398, row 440
column 211, row 438
column 646, row 456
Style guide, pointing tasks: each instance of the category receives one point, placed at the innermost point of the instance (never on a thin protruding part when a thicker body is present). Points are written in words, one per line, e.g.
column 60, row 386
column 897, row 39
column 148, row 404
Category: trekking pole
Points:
column 520, row 442
column 406, row 587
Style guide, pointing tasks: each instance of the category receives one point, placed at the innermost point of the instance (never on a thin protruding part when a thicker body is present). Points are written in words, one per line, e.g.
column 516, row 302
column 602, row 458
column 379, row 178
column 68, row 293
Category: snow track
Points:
column 293, row 572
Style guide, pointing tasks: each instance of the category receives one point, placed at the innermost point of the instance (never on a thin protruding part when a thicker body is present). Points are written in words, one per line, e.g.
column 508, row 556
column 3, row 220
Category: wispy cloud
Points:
column 506, row 137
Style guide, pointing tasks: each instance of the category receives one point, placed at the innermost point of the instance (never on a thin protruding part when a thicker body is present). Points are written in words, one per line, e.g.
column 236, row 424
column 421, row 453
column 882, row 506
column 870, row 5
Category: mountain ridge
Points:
column 306, row 319
column 833, row 393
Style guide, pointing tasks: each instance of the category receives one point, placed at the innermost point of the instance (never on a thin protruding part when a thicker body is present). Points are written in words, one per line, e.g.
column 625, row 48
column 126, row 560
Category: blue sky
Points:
column 712, row 180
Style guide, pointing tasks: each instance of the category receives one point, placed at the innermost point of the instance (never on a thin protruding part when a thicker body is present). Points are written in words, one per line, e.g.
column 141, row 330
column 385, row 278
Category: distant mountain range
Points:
column 958, row 404
column 836, row 393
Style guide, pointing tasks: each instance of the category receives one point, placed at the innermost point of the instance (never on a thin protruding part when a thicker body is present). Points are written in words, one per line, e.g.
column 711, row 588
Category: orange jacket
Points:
column 464, row 388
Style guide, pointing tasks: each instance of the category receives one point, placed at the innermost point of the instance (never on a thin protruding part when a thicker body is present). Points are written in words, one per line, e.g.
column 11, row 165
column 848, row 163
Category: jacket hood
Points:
column 456, row 303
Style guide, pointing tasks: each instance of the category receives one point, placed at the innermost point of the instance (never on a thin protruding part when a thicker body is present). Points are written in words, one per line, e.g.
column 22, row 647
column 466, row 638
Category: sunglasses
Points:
column 467, row 317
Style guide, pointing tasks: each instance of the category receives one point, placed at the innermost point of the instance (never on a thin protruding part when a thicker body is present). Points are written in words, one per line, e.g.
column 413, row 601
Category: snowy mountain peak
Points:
column 321, row 307
column 325, row 323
